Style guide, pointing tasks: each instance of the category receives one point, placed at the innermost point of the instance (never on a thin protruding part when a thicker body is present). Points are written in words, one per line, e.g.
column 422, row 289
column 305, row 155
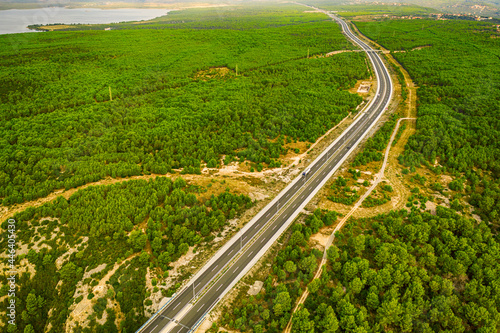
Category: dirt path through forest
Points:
column 390, row 162
column 392, row 173
column 379, row 178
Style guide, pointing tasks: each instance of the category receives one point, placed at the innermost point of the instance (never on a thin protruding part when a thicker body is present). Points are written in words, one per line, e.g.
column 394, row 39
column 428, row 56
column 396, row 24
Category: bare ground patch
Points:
column 214, row 73
column 364, row 87
column 414, row 49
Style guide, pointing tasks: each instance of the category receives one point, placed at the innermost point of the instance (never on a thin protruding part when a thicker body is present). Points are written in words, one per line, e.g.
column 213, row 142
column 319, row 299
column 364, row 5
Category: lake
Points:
column 17, row 20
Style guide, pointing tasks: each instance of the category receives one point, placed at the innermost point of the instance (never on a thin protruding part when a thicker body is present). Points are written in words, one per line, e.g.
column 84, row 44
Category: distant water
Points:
column 17, row 20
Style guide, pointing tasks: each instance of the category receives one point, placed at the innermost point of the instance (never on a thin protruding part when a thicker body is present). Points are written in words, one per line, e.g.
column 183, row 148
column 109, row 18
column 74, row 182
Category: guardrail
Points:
column 325, row 179
column 156, row 313
column 198, row 323
column 216, row 277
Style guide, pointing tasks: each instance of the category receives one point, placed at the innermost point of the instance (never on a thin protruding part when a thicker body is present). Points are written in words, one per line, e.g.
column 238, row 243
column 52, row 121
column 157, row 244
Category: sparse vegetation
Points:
column 158, row 220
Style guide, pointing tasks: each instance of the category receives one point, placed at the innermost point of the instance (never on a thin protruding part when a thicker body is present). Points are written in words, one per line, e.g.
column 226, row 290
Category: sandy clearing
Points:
column 80, row 312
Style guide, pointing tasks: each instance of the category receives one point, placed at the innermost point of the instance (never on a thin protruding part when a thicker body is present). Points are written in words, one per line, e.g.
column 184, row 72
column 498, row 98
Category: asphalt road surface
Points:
column 180, row 315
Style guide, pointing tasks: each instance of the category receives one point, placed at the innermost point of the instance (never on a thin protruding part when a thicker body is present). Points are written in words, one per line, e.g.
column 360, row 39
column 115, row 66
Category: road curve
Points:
column 185, row 311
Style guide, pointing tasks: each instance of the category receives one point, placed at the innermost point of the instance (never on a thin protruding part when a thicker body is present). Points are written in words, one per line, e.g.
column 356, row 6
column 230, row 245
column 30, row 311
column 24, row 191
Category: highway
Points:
column 185, row 311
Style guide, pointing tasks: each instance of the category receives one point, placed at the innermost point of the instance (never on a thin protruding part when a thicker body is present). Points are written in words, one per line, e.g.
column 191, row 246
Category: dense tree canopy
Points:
column 180, row 98
column 406, row 272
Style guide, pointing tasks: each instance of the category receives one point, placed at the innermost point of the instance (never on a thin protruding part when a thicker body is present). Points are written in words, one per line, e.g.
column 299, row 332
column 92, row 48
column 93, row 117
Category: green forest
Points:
column 152, row 222
column 458, row 126
column 407, row 272
column 180, row 92
column 76, row 107
column 410, row 271
column 292, row 270
column 370, row 8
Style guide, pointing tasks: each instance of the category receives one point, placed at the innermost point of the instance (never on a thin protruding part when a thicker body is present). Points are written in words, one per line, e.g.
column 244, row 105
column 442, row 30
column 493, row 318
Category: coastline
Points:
column 117, row 5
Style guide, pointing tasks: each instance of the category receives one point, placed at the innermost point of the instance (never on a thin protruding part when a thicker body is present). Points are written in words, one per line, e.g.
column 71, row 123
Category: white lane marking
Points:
column 268, row 214
column 275, row 226
column 180, row 329
column 155, row 327
column 302, row 196
column 200, row 307
column 219, row 287
column 230, row 251
column 263, row 239
column 176, row 306
column 250, row 253
column 236, row 269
